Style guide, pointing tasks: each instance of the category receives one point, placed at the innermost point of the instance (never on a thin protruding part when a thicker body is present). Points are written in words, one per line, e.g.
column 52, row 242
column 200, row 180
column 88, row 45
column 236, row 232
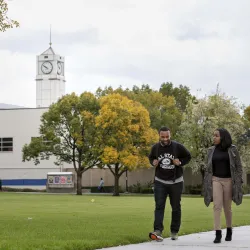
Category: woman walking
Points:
column 223, row 180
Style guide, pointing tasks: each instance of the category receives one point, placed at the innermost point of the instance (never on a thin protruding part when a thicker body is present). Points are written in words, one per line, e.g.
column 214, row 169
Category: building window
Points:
column 6, row 144
column 45, row 56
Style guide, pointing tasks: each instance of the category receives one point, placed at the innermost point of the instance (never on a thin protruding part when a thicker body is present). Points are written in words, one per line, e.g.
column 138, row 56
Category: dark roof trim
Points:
column 23, row 108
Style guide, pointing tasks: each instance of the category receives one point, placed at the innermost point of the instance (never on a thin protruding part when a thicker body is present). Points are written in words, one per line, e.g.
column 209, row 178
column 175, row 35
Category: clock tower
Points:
column 50, row 78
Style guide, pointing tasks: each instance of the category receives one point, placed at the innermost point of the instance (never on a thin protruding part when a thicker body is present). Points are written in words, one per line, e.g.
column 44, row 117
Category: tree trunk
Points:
column 116, row 188
column 79, row 184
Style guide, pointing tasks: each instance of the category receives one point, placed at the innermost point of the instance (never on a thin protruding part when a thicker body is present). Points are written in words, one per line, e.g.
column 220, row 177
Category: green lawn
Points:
column 68, row 222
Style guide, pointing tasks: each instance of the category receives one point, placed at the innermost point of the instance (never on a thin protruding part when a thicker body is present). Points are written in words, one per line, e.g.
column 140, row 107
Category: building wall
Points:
column 143, row 176
column 49, row 91
column 21, row 125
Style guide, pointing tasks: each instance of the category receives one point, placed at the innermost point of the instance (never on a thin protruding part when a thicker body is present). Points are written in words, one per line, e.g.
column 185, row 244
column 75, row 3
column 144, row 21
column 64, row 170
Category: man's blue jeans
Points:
column 161, row 192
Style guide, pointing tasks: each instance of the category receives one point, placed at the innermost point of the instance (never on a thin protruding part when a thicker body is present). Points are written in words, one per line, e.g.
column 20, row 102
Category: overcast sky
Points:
column 129, row 42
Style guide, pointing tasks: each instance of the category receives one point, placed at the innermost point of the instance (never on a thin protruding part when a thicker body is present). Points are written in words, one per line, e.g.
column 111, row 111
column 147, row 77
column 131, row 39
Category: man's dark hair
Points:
column 164, row 129
column 225, row 138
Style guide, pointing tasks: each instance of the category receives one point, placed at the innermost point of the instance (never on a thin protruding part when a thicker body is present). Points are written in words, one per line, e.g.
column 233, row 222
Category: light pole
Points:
column 126, row 180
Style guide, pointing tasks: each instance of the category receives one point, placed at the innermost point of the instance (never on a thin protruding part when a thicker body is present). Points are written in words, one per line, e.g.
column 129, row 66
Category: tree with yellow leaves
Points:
column 124, row 128
column 162, row 108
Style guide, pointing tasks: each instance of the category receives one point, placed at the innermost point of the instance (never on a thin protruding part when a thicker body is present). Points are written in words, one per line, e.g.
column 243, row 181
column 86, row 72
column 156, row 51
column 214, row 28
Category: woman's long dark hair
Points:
column 225, row 138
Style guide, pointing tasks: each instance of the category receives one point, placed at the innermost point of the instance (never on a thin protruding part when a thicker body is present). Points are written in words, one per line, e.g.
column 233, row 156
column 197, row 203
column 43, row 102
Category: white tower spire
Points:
column 50, row 43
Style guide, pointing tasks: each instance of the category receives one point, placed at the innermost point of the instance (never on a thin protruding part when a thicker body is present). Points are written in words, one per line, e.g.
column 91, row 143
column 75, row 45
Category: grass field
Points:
column 69, row 222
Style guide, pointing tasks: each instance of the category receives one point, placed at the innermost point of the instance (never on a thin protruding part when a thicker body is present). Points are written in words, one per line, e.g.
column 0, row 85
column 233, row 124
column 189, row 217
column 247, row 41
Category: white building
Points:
column 19, row 125
column 17, row 129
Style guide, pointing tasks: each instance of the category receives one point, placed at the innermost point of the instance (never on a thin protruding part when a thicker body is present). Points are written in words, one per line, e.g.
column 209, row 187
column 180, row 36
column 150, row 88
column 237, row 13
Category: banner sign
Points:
column 60, row 180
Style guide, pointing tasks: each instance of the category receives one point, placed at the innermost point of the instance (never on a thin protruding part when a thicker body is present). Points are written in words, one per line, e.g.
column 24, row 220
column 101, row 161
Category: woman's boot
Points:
column 217, row 236
column 229, row 234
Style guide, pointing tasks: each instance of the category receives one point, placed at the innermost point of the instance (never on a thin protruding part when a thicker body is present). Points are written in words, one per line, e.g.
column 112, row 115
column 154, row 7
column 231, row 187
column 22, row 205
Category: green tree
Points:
column 244, row 140
column 124, row 128
column 5, row 21
column 247, row 116
column 68, row 133
column 244, row 146
column 200, row 121
column 162, row 109
column 181, row 94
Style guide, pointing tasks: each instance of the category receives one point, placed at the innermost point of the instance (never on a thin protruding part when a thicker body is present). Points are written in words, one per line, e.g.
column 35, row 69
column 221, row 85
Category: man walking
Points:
column 101, row 185
column 168, row 157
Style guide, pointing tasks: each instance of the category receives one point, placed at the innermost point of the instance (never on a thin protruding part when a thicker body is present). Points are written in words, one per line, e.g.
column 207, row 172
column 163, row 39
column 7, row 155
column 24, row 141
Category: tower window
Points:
column 45, row 56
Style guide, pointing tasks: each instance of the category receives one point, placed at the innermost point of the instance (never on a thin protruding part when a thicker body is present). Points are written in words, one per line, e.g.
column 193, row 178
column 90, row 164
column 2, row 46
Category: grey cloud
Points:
column 119, row 4
column 195, row 32
column 125, row 70
column 227, row 17
column 31, row 42
column 202, row 76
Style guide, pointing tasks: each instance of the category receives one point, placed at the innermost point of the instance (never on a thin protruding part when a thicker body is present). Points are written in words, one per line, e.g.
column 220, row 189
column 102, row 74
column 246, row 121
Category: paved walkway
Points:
column 241, row 241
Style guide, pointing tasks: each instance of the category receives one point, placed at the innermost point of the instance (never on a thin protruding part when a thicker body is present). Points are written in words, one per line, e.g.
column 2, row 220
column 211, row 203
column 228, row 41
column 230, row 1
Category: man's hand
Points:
column 155, row 163
column 176, row 162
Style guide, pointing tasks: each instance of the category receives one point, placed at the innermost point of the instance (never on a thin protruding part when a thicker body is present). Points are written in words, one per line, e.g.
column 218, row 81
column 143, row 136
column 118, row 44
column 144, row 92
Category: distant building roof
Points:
column 9, row 106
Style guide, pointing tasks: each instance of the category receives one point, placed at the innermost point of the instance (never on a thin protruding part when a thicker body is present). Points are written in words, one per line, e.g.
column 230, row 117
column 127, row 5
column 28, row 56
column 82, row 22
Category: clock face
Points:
column 59, row 68
column 47, row 67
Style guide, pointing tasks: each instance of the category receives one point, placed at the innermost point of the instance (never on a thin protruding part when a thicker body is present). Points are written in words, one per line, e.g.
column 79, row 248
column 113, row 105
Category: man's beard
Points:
column 165, row 142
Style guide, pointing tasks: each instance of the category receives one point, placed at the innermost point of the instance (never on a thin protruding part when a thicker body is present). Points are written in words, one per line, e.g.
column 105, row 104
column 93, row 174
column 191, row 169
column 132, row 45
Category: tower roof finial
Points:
column 50, row 43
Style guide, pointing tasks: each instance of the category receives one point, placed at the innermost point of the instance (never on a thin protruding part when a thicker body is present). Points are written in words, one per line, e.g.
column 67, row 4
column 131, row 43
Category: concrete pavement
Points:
column 201, row 241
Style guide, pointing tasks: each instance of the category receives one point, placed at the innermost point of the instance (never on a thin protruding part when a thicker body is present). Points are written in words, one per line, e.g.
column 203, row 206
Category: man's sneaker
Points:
column 156, row 235
column 174, row 236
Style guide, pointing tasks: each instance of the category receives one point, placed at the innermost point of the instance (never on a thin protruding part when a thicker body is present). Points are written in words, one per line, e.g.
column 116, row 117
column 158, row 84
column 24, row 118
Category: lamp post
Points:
column 126, row 180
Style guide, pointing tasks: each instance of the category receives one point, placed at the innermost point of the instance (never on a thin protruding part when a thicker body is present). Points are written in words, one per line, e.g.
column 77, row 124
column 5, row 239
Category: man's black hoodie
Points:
column 165, row 154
